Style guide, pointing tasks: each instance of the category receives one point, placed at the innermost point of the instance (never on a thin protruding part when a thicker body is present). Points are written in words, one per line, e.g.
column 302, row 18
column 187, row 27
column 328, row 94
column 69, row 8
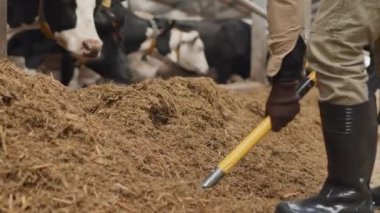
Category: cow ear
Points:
column 165, row 25
column 161, row 23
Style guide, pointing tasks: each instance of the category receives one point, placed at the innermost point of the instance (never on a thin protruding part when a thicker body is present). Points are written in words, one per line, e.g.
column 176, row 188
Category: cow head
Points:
column 72, row 25
column 109, row 17
column 184, row 48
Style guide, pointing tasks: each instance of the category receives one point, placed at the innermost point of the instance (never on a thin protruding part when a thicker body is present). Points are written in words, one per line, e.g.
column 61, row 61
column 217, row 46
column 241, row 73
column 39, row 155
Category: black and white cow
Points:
column 224, row 45
column 139, row 35
column 33, row 47
column 28, row 48
column 196, row 46
column 373, row 76
column 112, row 64
column 70, row 22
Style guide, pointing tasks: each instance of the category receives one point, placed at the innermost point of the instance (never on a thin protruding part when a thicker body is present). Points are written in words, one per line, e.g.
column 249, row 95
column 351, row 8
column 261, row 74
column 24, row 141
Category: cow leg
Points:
column 223, row 73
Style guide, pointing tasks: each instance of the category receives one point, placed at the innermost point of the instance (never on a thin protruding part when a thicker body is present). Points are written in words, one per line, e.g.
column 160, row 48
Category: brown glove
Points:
column 282, row 105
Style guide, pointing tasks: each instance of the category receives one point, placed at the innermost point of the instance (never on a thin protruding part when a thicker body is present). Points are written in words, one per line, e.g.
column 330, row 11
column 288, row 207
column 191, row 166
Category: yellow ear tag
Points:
column 45, row 28
column 152, row 46
column 107, row 3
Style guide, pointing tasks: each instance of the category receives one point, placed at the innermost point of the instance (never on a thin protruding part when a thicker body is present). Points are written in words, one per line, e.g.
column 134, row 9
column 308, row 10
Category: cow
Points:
column 196, row 46
column 112, row 64
column 142, row 35
column 225, row 46
column 369, row 62
column 29, row 48
column 199, row 46
column 139, row 35
column 145, row 66
column 69, row 22
column 33, row 47
column 373, row 76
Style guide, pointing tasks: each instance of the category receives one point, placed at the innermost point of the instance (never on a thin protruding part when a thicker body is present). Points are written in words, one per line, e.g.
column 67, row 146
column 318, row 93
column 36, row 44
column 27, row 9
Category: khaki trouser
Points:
column 340, row 31
column 286, row 24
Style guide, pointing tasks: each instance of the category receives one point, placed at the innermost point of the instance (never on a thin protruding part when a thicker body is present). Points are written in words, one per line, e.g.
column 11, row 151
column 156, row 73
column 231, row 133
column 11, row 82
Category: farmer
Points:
column 348, row 112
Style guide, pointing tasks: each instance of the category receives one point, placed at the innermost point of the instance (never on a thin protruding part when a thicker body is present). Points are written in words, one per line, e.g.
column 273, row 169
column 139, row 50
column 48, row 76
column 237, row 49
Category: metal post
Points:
column 3, row 28
column 259, row 49
column 259, row 46
column 254, row 7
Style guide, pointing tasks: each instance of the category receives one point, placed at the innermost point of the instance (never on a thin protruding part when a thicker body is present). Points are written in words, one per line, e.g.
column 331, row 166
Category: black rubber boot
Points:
column 350, row 134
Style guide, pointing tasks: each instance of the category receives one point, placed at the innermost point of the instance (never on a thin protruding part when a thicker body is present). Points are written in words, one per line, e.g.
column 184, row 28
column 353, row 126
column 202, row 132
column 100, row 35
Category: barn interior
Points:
column 98, row 145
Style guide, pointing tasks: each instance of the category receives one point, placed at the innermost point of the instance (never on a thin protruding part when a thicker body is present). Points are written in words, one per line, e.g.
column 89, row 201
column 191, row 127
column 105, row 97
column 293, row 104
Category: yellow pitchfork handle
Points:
column 251, row 140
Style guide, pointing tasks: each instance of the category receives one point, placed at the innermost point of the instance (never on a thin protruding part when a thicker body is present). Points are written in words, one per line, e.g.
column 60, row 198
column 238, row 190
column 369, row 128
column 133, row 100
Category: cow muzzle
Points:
column 92, row 48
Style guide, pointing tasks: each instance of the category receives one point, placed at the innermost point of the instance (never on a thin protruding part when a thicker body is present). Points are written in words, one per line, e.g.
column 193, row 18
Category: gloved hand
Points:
column 282, row 105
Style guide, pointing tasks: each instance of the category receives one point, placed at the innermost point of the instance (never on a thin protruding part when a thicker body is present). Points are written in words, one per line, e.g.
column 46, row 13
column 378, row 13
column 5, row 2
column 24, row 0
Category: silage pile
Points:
column 145, row 148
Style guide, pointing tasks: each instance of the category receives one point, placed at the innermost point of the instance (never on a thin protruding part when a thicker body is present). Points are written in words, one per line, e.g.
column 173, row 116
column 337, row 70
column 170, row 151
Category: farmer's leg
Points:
column 341, row 29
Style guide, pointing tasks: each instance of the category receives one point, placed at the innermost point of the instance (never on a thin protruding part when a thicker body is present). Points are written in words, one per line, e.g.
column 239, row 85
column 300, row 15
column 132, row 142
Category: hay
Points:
column 145, row 148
